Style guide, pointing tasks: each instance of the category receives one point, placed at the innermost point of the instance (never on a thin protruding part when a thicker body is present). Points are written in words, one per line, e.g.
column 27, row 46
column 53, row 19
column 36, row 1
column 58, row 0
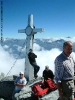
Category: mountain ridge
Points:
column 13, row 46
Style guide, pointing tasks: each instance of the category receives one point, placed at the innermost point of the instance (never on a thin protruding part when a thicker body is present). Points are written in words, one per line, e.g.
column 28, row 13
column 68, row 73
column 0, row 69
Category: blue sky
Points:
column 57, row 17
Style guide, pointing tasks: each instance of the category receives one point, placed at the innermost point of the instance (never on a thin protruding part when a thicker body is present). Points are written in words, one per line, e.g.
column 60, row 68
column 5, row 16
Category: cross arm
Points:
column 22, row 31
column 35, row 30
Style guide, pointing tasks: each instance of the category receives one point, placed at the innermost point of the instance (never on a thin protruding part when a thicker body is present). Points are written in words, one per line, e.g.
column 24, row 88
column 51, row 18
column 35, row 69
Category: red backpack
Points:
column 38, row 90
column 50, row 84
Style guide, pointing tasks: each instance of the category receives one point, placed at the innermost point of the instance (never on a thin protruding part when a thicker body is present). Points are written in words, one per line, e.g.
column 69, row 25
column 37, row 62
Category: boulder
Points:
column 7, row 87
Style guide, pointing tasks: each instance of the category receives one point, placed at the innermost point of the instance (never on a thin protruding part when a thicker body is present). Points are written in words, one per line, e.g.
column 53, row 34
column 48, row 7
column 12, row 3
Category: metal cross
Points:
column 30, row 31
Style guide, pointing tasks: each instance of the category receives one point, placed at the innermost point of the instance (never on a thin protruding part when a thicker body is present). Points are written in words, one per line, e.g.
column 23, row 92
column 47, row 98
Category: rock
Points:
column 1, row 99
column 25, row 93
column 7, row 87
column 51, row 96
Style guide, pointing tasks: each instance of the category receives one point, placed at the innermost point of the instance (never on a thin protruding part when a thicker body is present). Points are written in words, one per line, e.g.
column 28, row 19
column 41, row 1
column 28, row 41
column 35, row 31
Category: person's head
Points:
column 21, row 74
column 67, row 48
column 31, row 50
column 46, row 67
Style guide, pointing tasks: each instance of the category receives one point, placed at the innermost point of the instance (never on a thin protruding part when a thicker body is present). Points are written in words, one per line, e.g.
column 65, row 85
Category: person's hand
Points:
column 19, row 84
column 16, row 84
column 48, row 78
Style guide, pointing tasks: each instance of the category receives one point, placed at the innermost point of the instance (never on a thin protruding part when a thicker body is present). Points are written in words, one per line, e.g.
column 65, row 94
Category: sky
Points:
column 57, row 17
column 44, row 57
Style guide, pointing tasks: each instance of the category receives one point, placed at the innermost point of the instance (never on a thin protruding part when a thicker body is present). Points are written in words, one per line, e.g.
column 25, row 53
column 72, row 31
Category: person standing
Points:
column 32, row 61
column 64, row 72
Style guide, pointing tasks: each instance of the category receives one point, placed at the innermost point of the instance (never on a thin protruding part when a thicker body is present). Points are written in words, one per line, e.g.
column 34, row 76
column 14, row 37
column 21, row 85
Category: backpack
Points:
column 38, row 90
column 50, row 84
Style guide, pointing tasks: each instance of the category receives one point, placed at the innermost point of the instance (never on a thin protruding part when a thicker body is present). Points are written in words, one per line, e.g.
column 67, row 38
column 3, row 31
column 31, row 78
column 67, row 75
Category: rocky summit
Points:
column 7, row 88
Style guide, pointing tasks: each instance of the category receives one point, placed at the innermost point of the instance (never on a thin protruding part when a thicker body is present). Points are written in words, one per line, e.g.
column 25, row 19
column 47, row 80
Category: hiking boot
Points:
column 35, row 76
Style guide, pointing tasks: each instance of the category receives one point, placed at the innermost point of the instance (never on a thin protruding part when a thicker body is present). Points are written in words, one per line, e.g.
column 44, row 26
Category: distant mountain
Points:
column 13, row 46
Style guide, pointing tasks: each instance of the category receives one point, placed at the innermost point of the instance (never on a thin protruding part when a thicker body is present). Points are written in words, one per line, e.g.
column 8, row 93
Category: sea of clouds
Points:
column 44, row 57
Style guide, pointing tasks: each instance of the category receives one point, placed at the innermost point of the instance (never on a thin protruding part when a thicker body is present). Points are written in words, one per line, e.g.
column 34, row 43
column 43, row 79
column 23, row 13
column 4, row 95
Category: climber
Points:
column 32, row 61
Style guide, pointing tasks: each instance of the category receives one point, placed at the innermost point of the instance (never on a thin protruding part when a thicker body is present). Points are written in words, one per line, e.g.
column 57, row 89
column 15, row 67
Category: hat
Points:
column 30, row 50
column 21, row 73
column 46, row 67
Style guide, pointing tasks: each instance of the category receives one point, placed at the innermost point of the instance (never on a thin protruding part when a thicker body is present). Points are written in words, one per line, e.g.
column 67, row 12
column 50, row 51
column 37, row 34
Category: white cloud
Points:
column 37, row 47
column 19, row 48
column 44, row 57
column 72, row 39
column 7, row 61
column 10, row 50
column 5, row 47
column 73, row 55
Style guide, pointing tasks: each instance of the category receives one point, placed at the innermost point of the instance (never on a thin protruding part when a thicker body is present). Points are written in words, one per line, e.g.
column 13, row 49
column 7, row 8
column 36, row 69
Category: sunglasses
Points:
column 20, row 74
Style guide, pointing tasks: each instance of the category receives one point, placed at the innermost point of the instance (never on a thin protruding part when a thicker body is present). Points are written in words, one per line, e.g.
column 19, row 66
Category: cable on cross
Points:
column 16, row 60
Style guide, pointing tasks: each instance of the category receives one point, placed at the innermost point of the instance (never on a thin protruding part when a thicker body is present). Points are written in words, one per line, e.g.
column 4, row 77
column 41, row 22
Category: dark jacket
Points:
column 32, row 57
column 48, row 74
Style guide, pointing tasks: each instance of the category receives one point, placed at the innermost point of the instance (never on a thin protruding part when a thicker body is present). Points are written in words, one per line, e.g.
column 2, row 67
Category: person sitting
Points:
column 32, row 61
column 47, row 73
column 19, row 83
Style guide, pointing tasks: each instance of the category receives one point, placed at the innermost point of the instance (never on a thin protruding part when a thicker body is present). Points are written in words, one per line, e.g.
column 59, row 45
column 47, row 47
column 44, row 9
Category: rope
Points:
column 15, row 60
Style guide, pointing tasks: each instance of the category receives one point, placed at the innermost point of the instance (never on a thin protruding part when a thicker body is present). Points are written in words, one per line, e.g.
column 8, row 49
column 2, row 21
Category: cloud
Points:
column 10, row 50
column 72, row 39
column 36, row 47
column 44, row 57
column 20, row 49
column 5, row 47
column 73, row 55
column 47, row 57
column 6, row 62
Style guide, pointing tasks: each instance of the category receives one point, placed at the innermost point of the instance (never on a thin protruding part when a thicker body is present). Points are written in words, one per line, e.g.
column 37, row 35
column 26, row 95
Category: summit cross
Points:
column 30, row 31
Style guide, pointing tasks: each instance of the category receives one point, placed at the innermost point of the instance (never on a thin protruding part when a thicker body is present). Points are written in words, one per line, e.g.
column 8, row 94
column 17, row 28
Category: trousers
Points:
column 36, row 68
column 68, row 90
column 13, row 95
